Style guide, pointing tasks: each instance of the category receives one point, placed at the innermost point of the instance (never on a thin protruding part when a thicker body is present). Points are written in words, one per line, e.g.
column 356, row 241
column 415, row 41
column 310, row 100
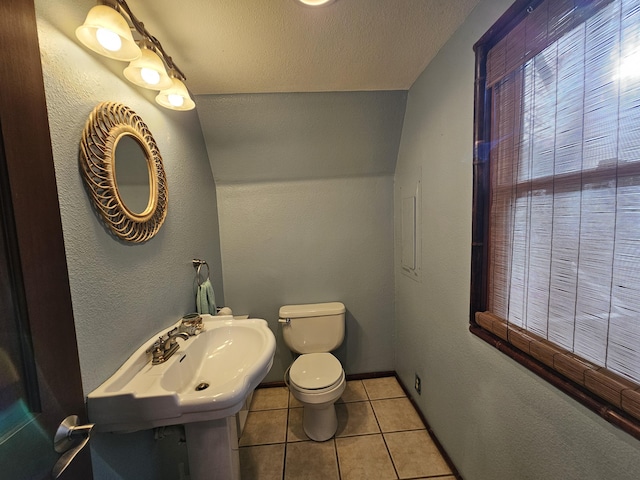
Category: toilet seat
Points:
column 316, row 372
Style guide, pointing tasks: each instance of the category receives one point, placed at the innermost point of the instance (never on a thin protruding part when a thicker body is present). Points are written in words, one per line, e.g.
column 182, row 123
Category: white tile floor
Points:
column 380, row 436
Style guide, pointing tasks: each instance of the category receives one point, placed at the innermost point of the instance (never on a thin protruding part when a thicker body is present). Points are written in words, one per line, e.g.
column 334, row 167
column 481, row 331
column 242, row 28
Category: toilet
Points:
column 316, row 378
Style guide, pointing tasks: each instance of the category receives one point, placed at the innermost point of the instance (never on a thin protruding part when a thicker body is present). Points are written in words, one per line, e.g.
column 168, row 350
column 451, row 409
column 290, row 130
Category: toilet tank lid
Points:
column 311, row 310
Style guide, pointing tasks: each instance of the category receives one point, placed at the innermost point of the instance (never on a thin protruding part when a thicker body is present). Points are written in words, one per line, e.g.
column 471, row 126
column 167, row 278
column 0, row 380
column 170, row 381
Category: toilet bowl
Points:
column 316, row 378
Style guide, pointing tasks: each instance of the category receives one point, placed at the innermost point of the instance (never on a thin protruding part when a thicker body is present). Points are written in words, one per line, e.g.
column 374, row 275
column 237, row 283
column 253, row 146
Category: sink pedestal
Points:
column 212, row 447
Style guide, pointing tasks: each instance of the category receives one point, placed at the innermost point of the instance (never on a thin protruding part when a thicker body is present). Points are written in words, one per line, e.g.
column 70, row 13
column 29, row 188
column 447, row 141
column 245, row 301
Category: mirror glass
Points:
column 131, row 171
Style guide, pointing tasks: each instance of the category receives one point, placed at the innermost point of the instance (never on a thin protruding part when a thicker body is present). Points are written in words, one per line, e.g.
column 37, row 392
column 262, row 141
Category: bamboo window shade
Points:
column 563, row 229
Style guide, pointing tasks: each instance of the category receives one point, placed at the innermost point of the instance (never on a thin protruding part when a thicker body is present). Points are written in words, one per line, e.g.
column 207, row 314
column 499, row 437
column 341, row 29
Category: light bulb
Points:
column 176, row 97
column 108, row 39
column 152, row 77
column 316, row 3
column 175, row 100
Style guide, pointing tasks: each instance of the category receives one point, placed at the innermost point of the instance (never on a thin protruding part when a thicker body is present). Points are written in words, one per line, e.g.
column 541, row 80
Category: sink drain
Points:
column 202, row 386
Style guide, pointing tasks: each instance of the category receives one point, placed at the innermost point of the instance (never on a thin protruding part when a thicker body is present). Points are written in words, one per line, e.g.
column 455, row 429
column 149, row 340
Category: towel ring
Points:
column 197, row 264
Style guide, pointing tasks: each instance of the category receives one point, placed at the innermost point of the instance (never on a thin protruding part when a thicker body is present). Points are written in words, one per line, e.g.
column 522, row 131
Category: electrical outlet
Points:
column 418, row 385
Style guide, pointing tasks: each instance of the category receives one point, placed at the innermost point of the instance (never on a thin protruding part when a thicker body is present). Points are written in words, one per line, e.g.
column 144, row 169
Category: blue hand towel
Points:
column 205, row 298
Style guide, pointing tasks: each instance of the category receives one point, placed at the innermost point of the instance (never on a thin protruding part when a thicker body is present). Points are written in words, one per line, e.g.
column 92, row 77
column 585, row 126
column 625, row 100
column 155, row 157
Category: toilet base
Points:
column 320, row 422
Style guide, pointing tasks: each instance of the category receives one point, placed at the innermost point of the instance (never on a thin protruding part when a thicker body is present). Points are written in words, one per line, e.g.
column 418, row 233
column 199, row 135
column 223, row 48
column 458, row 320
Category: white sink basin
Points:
column 230, row 356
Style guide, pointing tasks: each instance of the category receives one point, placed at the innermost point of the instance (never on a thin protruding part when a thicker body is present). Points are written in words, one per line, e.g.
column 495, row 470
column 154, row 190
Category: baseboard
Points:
column 349, row 377
column 365, row 376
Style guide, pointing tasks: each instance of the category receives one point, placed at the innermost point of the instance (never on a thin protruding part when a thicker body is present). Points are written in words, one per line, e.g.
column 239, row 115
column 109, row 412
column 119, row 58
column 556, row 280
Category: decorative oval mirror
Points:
column 123, row 171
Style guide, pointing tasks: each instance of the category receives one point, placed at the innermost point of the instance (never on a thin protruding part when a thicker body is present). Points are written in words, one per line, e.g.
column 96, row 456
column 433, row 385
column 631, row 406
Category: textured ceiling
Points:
column 258, row 46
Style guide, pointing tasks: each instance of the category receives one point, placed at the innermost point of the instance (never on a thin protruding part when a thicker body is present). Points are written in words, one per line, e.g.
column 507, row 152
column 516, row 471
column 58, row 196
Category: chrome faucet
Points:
column 165, row 346
column 172, row 334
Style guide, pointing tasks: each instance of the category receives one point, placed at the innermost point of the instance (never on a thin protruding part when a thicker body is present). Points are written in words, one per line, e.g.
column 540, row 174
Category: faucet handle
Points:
column 157, row 351
column 172, row 333
column 191, row 324
column 157, row 345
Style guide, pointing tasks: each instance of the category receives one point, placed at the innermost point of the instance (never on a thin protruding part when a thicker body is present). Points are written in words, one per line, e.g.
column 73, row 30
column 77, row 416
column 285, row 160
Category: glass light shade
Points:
column 148, row 71
column 107, row 32
column 316, row 3
column 176, row 97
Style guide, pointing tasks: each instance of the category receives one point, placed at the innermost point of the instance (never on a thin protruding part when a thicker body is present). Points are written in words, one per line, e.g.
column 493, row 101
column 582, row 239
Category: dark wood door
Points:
column 40, row 380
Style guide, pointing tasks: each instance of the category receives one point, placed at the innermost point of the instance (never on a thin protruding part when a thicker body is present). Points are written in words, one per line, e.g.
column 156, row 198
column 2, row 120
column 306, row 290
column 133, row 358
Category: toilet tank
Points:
column 313, row 328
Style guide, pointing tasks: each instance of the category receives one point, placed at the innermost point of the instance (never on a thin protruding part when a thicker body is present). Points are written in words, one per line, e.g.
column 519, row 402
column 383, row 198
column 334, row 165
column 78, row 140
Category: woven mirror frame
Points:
column 106, row 126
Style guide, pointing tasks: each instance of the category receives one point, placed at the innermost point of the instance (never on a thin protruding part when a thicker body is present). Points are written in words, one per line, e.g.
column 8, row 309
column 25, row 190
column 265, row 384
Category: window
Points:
column 556, row 247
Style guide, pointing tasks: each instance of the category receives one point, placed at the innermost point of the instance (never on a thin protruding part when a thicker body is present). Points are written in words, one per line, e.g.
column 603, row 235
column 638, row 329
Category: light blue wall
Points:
column 306, row 205
column 300, row 136
column 305, row 198
column 123, row 293
column 495, row 418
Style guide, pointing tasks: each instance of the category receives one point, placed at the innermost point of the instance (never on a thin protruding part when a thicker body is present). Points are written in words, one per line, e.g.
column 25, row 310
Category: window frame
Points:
column 480, row 231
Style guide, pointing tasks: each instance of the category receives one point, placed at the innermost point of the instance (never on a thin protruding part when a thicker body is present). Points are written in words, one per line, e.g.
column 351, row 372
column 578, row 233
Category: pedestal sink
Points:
column 201, row 386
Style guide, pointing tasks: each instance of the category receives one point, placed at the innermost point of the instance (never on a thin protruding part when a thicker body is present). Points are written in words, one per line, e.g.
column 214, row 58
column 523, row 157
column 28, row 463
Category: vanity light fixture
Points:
column 109, row 30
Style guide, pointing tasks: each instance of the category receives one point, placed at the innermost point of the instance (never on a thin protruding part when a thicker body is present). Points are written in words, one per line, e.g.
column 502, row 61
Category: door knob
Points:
column 69, row 439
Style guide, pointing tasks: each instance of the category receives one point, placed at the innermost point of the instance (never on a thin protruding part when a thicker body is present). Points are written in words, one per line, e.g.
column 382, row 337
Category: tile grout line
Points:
column 335, row 449
column 286, row 436
column 384, row 440
column 381, row 432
